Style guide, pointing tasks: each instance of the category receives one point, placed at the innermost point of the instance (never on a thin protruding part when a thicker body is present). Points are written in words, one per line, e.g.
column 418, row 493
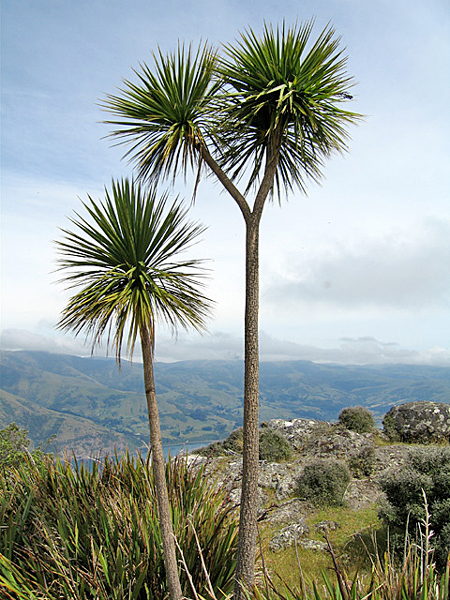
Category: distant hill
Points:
column 91, row 405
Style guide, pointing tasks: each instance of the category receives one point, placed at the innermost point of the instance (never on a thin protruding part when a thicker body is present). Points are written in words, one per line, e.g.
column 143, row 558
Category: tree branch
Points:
column 226, row 182
column 273, row 155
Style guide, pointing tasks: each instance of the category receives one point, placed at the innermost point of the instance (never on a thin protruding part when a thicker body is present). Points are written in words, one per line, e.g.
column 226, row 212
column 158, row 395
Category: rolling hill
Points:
column 89, row 404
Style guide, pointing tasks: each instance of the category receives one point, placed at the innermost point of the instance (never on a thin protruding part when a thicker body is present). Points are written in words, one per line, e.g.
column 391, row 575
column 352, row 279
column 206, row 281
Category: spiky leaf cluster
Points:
column 123, row 257
column 278, row 96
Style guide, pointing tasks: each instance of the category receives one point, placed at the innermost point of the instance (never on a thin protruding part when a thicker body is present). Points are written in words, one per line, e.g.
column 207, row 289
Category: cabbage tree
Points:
column 262, row 115
column 123, row 258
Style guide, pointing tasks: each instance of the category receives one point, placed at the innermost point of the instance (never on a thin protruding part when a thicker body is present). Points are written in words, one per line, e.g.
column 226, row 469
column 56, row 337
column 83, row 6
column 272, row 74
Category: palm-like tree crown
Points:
column 121, row 255
column 285, row 102
column 274, row 96
column 167, row 114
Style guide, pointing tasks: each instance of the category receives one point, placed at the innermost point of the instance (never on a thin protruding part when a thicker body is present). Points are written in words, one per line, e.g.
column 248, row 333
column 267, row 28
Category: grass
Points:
column 70, row 532
column 346, row 542
column 384, row 576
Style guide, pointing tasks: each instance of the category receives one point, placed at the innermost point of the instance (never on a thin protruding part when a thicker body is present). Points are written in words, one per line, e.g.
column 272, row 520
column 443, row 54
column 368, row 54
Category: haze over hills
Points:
column 91, row 406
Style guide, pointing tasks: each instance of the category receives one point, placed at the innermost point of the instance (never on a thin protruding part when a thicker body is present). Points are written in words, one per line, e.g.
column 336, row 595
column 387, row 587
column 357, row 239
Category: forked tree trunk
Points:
column 245, row 568
column 159, row 472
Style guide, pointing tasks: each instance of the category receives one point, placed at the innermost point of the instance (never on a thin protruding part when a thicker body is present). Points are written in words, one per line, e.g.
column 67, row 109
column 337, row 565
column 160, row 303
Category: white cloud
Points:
column 349, row 260
column 402, row 270
column 224, row 346
column 20, row 339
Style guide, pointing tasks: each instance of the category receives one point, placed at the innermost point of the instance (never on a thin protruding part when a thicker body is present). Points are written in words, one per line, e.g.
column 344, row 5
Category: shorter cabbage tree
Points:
column 123, row 259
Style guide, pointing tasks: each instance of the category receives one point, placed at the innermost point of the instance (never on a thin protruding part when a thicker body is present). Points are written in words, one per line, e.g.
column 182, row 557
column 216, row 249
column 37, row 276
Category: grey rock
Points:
column 288, row 536
column 291, row 511
column 418, row 422
column 280, row 477
column 315, row 545
column 339, row 442
column 297, row 431
column 325, row 526
column 360, row 493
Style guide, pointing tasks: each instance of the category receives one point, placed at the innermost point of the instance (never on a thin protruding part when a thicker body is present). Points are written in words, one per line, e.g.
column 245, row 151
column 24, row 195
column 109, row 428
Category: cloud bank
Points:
column 224, row 346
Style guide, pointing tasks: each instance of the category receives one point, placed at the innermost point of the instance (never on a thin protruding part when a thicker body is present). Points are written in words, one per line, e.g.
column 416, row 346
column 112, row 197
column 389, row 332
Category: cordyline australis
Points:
column 263, row 114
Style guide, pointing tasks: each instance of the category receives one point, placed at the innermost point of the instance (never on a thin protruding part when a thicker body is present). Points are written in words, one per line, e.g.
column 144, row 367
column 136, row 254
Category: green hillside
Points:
column 91, row 403
column 77, row 434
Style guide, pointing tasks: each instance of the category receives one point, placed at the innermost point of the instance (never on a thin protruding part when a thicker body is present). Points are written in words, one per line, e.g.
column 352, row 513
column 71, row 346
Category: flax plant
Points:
column 69, row 531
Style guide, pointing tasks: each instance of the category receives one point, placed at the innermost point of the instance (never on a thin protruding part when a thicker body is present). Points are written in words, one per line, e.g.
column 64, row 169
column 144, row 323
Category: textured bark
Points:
column 245, row 568
column 159, row 472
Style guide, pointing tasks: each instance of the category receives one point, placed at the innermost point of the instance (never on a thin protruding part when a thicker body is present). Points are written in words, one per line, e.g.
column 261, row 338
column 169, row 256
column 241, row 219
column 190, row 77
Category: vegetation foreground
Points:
column 73, row 532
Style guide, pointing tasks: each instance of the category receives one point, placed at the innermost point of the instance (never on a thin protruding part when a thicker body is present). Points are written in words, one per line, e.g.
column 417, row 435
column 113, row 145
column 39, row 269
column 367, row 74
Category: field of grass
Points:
column 287, row 566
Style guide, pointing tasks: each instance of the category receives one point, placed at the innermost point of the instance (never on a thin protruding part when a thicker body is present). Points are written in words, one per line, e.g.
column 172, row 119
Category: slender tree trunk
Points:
column 245, row 569
column 159, row 472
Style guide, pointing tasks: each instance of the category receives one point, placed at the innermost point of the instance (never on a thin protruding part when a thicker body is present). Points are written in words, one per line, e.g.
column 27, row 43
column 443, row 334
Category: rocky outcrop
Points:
column 299, row 432
column 279, row 501
column 418, row 422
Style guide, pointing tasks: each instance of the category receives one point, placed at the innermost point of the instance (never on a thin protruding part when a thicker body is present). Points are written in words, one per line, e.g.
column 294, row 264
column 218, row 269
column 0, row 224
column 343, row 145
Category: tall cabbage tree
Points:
column 123, row 257
column 262, row 115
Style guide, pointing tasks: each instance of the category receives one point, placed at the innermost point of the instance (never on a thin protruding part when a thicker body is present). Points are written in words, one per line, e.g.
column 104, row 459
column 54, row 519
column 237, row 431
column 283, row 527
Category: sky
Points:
column 355, row 272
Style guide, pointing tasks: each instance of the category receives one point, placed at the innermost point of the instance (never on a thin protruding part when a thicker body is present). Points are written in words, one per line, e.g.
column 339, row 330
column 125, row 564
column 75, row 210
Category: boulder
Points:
column 291, row 511
column 418, row 422
column 326, row 526
column 314, row 545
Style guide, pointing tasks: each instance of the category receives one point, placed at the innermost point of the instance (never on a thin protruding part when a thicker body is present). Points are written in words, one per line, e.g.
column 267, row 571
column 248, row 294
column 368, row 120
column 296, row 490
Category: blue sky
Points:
column 357, row 271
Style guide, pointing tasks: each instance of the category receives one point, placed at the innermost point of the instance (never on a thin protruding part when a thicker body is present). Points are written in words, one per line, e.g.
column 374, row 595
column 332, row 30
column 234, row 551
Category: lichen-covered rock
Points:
column 281, row 478
column 338, row 442
column 362, row 493
column 314, row 545
column 326, row 526
column 288, row 536
column 418, row 422
column 297, row 431
column 291, row 511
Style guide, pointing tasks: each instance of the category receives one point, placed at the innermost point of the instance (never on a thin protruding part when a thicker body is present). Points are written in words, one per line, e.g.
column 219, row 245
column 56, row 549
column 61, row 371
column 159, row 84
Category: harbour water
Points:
column 176, row 449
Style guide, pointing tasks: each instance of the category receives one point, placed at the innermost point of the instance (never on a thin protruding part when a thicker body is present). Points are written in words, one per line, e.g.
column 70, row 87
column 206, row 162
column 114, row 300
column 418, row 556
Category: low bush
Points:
column 233, row 444
column 362, row 462
column 324, row 482
column 427, row 471
column 15, row 448
column 357, row 418
column 273, row 446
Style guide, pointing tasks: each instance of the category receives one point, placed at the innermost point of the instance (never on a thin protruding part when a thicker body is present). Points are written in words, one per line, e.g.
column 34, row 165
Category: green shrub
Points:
column 93, row 533
column 390, row 428
column 14, row 448
column 324, row 482
column 233, row 444
column 273, row 446
column 362, row 462
column 357, row 418
column 427, row 471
